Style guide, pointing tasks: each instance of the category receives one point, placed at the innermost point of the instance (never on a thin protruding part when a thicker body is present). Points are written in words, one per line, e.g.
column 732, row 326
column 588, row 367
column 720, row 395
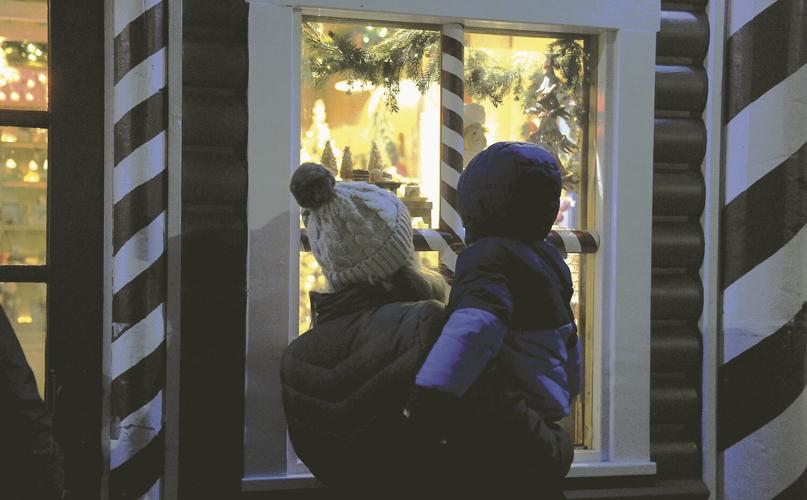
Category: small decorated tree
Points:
column 328, row 160
column 375, row 166
column 346, row 170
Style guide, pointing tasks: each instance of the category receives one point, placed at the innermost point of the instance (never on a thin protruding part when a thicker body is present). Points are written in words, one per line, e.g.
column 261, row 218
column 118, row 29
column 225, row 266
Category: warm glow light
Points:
column 32, row 165
column 30, row 84
column 32, row 57
column 2, row 96
column 31, row 177
column 6, row 137
column 45, row 165
column 354, row 86
column 382, row 32
column 29, row 96
column 409, row 94
column 42, row 78
column 10, row 163
column 25, row 319
column 15, row 96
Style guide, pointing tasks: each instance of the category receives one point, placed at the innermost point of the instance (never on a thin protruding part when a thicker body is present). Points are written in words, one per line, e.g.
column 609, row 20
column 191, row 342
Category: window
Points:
column 525, row 87
column 24, row 175
column 394, row 140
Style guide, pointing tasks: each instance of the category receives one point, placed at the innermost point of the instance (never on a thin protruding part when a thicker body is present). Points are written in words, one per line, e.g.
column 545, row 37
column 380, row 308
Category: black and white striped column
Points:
column 762, row 402
column 138, row 349
column 452, row 83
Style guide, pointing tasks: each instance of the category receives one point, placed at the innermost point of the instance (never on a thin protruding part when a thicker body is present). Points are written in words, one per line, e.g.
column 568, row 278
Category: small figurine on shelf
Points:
column 474, row 132
column 328, row 160
column 375, row 166
column 346, row 169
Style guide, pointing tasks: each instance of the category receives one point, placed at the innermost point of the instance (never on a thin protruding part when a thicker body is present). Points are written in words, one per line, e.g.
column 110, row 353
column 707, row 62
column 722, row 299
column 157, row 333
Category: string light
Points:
column 42, row 78
column 2, row 96
column 45, row 165
column 15, row 96
column 11, row 163
column 29, row 96
column 30, row 84
column 32, row 165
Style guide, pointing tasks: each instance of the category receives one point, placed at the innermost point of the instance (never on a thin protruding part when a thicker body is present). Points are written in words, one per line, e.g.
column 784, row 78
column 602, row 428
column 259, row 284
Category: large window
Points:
column 557, row 76
column 24, row 175
column 517, row 87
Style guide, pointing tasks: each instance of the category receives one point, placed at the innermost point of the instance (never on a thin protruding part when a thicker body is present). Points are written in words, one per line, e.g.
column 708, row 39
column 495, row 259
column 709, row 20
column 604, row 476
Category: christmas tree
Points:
column 346, row 170
column 328, row 160
column 375, row 159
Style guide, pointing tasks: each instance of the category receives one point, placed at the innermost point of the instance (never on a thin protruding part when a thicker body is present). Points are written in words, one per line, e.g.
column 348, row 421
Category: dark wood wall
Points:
column 678, row 245
column 214, row 247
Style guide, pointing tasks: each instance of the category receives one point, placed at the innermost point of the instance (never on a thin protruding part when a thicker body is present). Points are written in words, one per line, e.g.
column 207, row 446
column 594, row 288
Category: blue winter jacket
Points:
column 509, row 305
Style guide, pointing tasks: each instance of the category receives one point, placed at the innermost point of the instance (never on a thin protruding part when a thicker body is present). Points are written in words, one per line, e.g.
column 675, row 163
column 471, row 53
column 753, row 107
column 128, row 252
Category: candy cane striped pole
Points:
column 429, row 240
column 138, row 348
column 452, row 82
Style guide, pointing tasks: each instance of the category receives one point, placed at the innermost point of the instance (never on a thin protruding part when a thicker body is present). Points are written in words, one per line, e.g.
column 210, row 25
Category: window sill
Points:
column 585, row 469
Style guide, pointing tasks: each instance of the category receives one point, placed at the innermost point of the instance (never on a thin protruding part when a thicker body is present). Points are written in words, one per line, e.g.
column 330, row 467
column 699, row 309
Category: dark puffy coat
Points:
column 346, row 381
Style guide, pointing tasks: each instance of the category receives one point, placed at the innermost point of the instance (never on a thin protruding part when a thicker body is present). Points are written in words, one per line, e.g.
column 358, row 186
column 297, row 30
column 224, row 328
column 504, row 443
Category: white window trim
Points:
column 623, row 207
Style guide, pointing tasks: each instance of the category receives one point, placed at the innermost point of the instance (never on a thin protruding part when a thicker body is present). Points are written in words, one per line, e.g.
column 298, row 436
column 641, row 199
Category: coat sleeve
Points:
column 481, row 308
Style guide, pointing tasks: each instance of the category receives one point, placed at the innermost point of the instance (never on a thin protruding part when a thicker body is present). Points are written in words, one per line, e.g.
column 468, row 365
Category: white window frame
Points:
column 622, row 204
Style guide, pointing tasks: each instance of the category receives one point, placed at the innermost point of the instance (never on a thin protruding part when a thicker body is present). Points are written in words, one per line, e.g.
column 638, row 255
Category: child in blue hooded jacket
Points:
column 509, row 348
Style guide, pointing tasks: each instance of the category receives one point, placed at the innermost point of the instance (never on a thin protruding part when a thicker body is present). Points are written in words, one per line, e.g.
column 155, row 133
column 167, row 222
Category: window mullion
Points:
column 24, row 118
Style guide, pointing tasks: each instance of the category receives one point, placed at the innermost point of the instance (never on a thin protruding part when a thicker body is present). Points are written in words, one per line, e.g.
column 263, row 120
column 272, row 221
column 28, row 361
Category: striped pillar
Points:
column 762, row 402
column 138, row 349
column 452, row 82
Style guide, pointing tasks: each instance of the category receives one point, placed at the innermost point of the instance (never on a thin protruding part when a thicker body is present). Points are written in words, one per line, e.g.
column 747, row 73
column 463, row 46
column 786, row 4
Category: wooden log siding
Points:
column 678, row 246
column 214, row 242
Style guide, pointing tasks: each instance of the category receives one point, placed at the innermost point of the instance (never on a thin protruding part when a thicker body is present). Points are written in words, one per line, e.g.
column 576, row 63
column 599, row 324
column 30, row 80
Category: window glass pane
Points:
column 357, row 93
column 24, row 54
column 23, row 195
column 535, row 89
column 531, row 89
column 24, row 304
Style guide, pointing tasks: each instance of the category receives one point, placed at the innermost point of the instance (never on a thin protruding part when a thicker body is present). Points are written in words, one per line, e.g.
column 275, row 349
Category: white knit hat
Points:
column 357, row 231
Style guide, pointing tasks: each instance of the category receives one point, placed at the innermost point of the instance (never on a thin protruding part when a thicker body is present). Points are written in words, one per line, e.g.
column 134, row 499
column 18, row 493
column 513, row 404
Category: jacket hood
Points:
column 511, row 189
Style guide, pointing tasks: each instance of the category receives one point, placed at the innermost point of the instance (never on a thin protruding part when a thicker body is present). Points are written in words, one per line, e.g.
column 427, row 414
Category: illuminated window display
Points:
column 24, row 173
column 371, row 111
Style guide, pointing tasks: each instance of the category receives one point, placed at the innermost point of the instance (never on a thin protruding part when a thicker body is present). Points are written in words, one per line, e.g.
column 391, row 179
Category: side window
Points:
column 24, row 176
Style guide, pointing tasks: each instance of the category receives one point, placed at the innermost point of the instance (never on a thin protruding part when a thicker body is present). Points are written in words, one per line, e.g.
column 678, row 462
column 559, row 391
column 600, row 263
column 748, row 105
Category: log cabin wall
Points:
column 678, row 241
column 214, row 247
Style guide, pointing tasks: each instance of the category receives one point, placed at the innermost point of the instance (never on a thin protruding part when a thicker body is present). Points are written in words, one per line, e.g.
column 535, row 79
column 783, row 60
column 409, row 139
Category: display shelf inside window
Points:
column 23, row 195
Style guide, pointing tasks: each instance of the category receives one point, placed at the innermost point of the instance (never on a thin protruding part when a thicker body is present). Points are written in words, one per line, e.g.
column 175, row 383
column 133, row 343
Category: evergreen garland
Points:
column 415, row 54
column 484, row 79
column 412, row 54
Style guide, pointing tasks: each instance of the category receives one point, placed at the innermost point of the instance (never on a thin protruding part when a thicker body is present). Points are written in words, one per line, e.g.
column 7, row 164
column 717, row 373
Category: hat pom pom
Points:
column 312, row 185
